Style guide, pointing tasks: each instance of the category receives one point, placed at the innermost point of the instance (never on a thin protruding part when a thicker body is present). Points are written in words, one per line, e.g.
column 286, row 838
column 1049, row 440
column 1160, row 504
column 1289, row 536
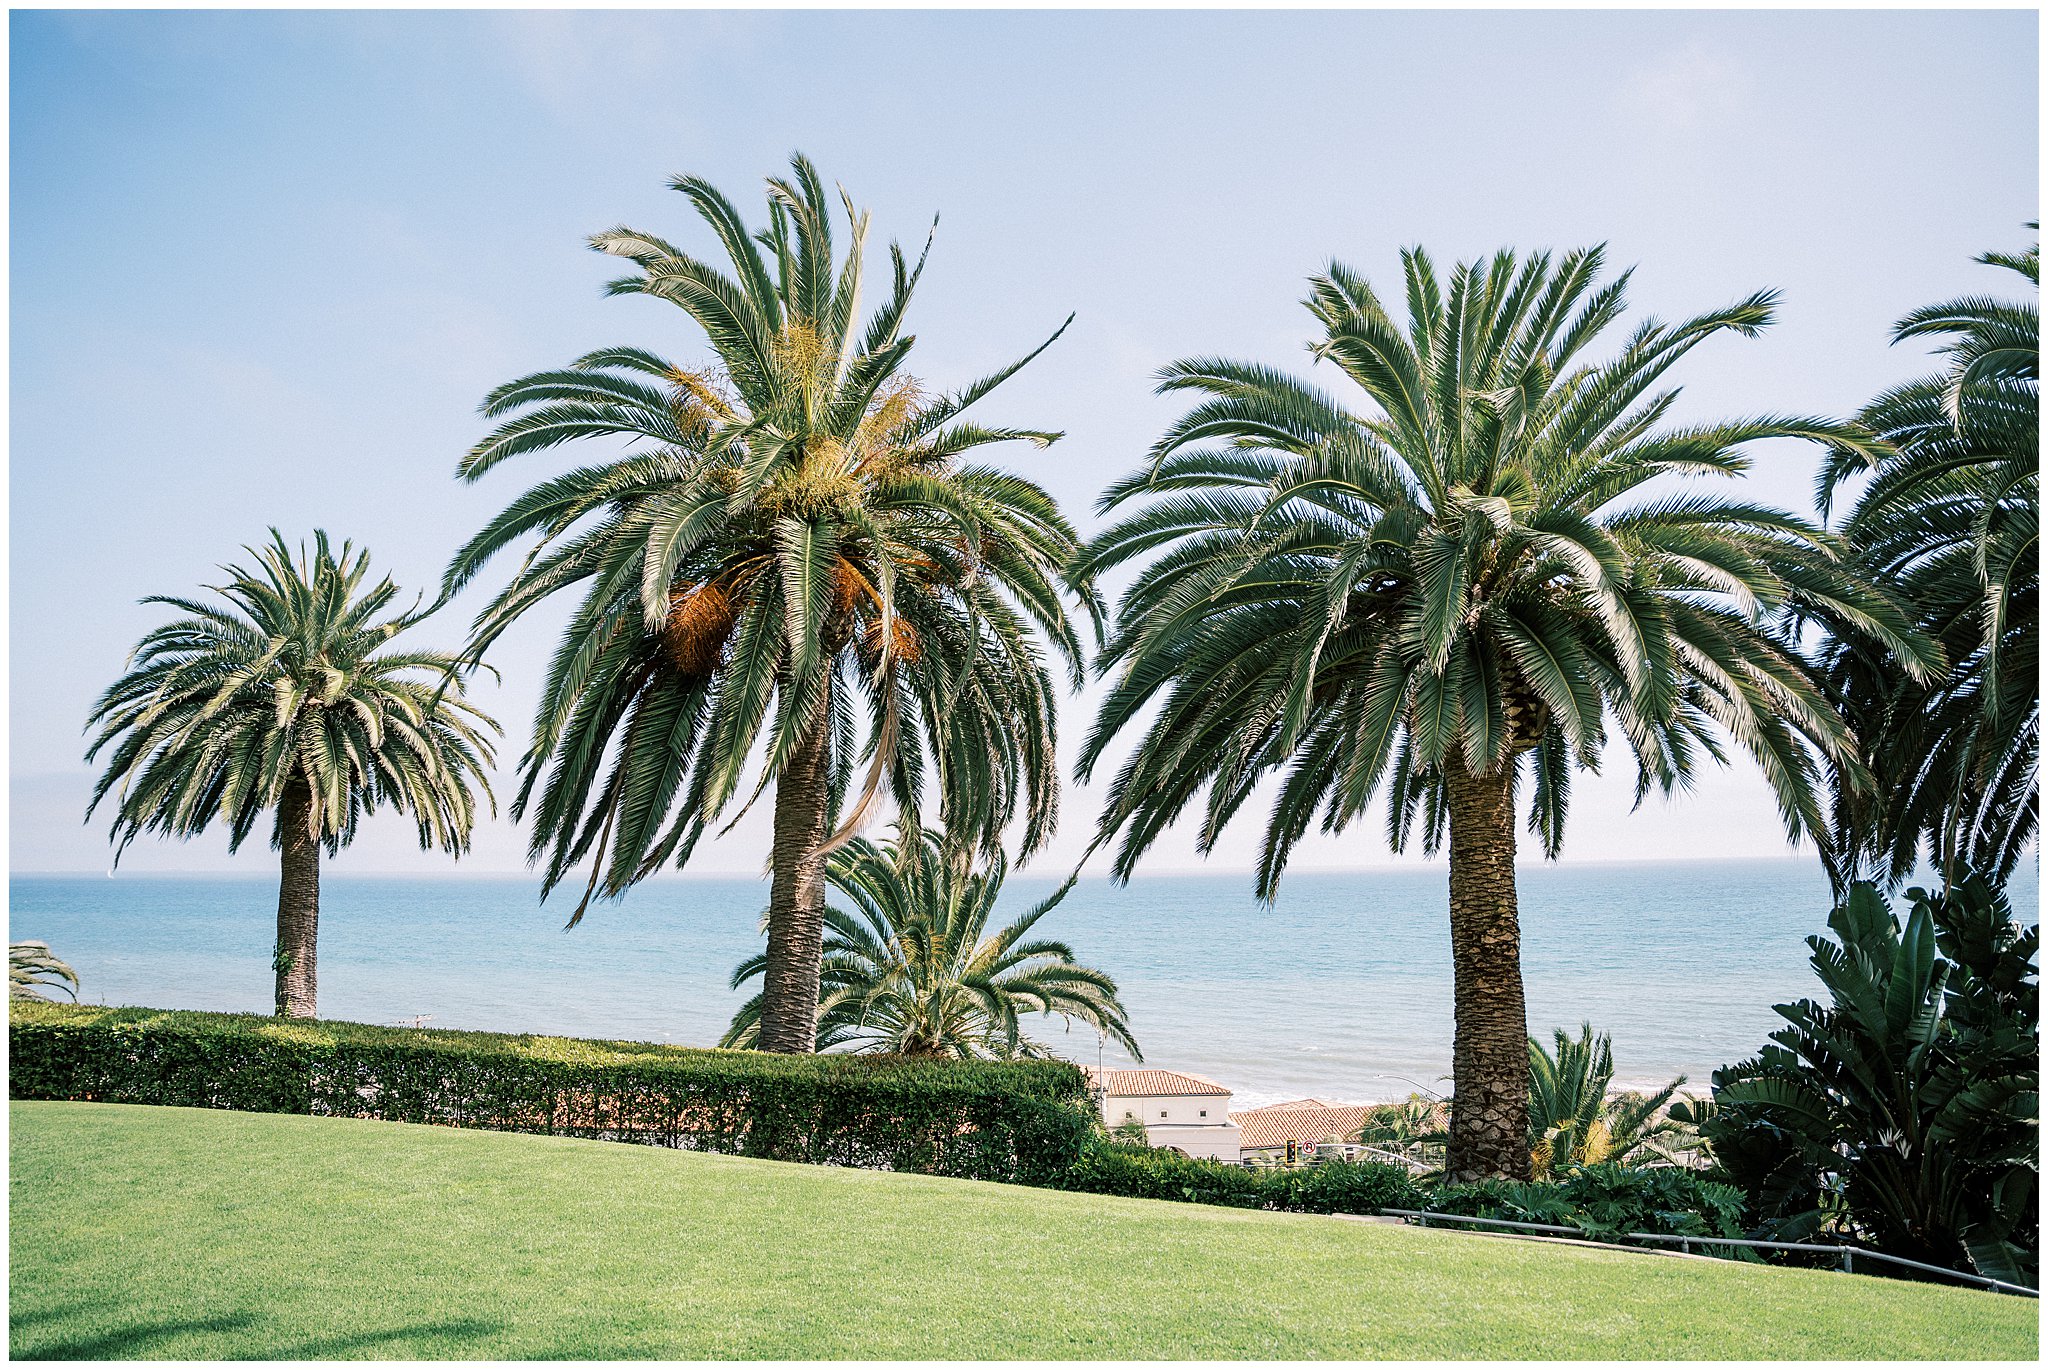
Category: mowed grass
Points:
column 198, row 1235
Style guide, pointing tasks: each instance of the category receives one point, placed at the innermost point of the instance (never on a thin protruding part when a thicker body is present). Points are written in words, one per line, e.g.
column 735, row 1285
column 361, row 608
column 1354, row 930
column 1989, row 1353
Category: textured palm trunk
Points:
column 1490, row 1056
column 298, row 905
column 796, row 896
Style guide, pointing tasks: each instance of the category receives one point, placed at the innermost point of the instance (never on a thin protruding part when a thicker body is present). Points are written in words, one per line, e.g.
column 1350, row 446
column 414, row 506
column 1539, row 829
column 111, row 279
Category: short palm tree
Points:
column 1454, row 590
column 290, row 700
column 792, row 555
column 31, row 969
column 913, row 967
column 1574, row 1120
column 1950, row 521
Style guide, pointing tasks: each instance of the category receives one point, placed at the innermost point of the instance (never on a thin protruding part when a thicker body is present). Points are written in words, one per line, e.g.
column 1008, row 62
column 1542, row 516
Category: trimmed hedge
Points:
column 1019, row 1122
column 1136, row 1172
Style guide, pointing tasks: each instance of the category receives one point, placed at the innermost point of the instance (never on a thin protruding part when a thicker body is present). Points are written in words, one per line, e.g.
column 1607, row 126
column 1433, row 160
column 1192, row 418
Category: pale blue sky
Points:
column 264, row 265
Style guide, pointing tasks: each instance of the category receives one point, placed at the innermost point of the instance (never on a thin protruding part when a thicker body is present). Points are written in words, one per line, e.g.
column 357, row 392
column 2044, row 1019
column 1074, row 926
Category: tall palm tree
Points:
column 290, row 700
column 792, row 553
column 1452, row 590
column 1950, row 521
column 913, row 967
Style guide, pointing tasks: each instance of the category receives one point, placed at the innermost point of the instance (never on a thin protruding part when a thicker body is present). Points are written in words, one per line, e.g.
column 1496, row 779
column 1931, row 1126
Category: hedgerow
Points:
column 1137, row 1172
column 1019, row 1122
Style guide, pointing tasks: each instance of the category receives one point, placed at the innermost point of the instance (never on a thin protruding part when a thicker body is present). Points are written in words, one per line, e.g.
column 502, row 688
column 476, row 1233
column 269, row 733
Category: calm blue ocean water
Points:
column 1343, row 990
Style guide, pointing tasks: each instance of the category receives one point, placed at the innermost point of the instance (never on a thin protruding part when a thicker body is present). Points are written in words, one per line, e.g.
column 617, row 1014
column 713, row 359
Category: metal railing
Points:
column 1847, row 1254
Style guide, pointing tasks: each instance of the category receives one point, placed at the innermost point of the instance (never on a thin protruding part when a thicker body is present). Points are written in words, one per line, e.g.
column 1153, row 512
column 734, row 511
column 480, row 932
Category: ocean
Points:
column 1342, row 990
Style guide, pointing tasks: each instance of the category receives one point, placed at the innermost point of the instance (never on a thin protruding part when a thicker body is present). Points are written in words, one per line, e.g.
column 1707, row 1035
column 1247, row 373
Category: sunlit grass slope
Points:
column 192, row 1234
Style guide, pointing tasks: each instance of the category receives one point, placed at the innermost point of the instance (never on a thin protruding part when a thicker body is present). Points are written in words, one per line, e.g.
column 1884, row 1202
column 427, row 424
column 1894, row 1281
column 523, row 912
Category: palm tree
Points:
column 1950, row 522
column 791, row 548
column 1452, row 590
column 31, row 969
column 1573, row 1120
column 289, row 700
column 914, row 968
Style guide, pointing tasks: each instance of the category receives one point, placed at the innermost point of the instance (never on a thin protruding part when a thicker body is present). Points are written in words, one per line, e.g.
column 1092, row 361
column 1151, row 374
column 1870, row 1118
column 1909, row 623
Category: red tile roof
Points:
column 1152, row 1084
column 1307, row 1121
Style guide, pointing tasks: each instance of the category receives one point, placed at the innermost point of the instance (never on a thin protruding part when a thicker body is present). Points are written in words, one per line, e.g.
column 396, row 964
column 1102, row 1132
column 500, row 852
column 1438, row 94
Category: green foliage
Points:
column 1132, row 1131
column 1903, row 1113
column 792, row 539
column 1140, row 1172
column 1136, row 1171
column 913, row 967
column 293, row 681
column 1604, row 1201
column 1021, row 1122
column 31, row 969
column 1950, row 523
column 1573, row 1122
column 1483, row 565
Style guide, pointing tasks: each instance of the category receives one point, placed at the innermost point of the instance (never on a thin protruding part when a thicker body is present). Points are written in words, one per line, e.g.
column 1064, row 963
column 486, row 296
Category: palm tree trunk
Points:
column 1490, row 1055
column 298, row 905
column 796, row 895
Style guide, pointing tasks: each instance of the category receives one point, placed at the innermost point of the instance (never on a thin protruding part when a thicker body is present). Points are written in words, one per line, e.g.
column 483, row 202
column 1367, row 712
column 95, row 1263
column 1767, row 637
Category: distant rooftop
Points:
column 1151, row 1084
column 1307, row 1121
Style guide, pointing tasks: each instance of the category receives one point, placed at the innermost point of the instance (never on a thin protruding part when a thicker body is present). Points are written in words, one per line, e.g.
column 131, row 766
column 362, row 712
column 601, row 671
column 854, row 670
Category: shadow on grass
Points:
column 121, row 1342
column 341, row 1347
column 138, row 1341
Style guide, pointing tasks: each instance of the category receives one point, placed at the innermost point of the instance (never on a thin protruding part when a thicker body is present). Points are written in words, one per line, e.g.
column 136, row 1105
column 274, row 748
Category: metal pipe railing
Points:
column 1848, row 1254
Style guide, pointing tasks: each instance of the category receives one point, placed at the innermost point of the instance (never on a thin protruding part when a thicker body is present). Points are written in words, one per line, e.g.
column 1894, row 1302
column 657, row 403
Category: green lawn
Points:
column 195, row 1234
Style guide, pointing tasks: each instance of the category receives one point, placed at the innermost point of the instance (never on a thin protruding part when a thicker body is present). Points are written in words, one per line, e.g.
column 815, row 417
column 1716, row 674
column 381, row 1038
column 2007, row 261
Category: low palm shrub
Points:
column 1021, row 1122
column 912, row 965
column 1575, row 1121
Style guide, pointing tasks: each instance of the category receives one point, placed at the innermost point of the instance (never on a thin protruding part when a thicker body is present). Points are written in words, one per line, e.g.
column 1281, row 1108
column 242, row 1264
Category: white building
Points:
column 1189, row 1113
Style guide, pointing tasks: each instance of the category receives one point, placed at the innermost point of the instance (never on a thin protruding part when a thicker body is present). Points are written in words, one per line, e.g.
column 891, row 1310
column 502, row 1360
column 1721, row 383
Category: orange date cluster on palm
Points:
column 700, row 619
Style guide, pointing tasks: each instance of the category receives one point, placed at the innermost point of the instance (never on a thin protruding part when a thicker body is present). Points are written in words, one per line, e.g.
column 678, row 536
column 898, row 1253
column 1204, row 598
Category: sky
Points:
column 264, row 265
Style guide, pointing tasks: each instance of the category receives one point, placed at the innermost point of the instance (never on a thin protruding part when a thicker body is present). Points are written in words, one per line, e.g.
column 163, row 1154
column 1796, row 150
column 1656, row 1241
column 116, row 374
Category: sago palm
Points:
column 1453, row 589
column 1573, row 1120
column 791, row 559
column 1950, row 520
column 290, row 699
column 912, row 965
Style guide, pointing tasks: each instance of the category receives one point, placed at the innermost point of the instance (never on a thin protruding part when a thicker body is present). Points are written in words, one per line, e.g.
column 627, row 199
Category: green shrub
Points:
column 1342, row 1187
column 1137, row 1172
column 1020, row 1122
column 1902, row 1111
column 1603, row 1201
column 1141, row 1172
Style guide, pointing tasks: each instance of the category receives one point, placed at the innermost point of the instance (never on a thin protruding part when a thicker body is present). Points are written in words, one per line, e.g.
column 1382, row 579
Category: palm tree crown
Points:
column 1466, row 581
column 1950, row 521
column 793, row 554
column 912, row 966
column 292, row 682
column 290, row 699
